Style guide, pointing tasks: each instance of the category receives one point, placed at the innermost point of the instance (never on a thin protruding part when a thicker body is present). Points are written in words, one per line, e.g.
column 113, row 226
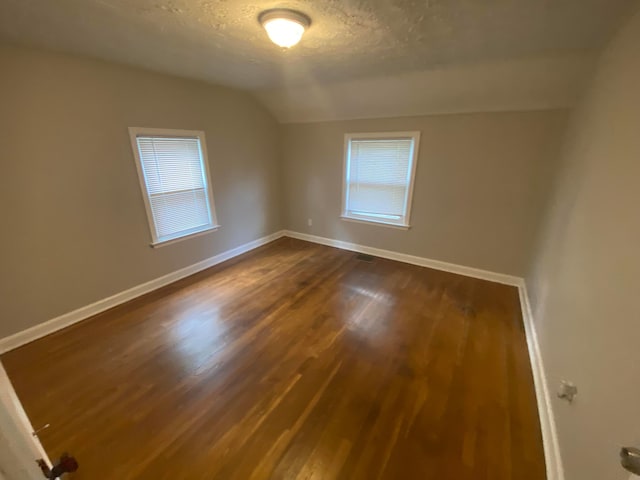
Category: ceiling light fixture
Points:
column 284, row 27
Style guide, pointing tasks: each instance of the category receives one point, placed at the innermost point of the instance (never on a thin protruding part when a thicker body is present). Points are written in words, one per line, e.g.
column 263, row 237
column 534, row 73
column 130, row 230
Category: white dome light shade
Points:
column 283, row 32
column 284, row 27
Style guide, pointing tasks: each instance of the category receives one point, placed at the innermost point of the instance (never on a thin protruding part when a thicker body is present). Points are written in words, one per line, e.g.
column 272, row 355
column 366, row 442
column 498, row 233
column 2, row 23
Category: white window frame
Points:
column 348, row 137
column 134, row 133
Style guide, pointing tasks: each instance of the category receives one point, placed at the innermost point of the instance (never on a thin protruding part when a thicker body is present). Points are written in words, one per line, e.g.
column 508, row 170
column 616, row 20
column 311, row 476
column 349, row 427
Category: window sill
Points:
column 163, row 243
column 375, row 222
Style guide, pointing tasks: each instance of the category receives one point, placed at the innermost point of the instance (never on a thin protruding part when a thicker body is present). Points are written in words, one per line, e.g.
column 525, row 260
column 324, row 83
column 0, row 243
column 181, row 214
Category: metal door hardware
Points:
column 66, row 464
column 567, row 391
column 36, row 432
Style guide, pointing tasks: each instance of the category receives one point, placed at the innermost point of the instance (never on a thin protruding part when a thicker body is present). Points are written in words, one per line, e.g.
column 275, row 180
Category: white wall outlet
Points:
column 309, row 222
column 567, row 391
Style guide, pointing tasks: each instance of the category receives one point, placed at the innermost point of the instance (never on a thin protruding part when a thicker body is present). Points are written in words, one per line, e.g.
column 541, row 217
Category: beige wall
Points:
column 480, row 185
column 74, row 228
column 553, row 81
column 585, row 279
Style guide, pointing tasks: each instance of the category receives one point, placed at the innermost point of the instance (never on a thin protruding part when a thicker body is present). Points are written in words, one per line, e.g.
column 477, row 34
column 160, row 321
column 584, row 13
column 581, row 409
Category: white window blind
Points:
column 378, row 177
column 175, row 181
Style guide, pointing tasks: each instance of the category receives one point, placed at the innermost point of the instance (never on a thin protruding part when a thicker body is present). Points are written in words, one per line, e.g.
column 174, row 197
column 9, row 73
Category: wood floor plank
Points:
column 294, row 361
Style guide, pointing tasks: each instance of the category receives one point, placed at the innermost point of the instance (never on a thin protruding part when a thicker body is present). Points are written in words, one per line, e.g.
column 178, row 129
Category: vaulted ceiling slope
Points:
column 221, row 41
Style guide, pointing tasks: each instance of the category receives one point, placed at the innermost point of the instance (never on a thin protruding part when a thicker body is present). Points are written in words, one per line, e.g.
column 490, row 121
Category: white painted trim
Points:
column 369, row 221
column 408, row 201
column 134, row 133
column 553, row 459
column 412, row 259
column 198, row 233
column 67, row 319
column 555, row 470
column 10, row 402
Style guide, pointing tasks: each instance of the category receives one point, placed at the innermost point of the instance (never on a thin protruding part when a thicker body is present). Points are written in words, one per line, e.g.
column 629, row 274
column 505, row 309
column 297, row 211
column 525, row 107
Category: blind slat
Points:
column 378, row 177
column 176, row 184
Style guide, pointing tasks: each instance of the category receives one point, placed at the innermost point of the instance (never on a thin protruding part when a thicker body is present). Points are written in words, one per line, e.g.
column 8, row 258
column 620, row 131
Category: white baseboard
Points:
column 555, row 470
column 67, row 319
column 414, row 260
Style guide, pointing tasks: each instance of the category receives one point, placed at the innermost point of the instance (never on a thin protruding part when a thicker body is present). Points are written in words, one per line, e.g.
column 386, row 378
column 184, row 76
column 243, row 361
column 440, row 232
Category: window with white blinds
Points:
column 378, row 177
column 174, row 177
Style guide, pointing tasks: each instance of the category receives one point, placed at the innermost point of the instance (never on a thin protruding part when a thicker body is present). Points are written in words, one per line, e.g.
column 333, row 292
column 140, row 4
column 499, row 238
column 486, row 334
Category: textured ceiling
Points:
column 540, row 83
column 220, row 41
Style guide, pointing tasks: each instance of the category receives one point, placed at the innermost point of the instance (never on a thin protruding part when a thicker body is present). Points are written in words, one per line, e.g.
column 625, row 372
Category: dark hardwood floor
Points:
column 294, row 361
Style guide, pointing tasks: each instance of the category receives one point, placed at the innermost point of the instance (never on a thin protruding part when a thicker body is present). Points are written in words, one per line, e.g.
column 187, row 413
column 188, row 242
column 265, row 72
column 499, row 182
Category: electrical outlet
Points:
column 309, row 222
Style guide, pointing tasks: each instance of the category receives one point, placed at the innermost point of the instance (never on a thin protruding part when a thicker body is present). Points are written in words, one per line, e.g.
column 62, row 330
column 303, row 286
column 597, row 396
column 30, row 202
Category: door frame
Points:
column 20, row 447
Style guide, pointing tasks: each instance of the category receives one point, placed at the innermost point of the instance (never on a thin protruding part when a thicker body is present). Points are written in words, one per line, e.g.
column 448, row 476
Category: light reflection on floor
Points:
column 370, row 320
column 198, row 336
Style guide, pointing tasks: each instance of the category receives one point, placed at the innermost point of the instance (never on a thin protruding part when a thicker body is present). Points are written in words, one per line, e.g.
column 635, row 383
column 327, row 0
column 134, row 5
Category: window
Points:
column 174, row 177
column 378, row 177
